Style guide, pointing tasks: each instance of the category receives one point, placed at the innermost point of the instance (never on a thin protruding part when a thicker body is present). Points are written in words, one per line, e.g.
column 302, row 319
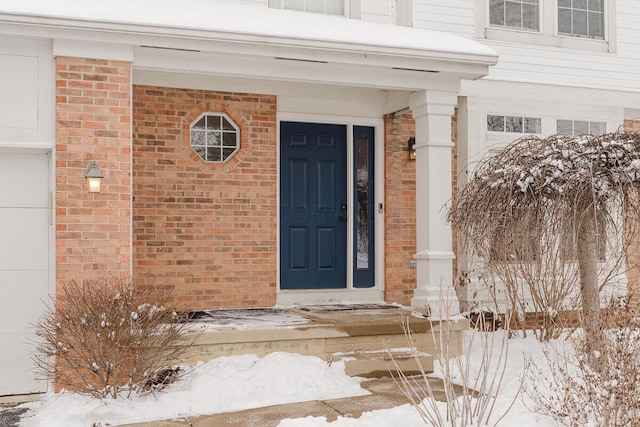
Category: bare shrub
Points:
column 596, row 380
column 551, row 217
column 111, row 338
column 470, row 394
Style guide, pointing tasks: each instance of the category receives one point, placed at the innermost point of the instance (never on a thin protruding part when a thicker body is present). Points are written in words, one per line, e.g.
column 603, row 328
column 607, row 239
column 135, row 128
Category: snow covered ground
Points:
column 235, row 383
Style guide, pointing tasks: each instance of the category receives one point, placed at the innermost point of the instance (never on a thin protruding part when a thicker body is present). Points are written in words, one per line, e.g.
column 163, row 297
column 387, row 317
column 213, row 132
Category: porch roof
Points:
column 211, row 26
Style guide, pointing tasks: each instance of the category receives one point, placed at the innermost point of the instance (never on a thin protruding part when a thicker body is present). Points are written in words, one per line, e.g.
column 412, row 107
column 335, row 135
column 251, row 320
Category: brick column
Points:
column 93, row 123
column 434, row 294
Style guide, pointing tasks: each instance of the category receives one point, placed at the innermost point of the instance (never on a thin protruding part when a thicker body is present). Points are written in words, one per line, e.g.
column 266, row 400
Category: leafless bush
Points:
column 110, row 338
column 595, row 381
column 470, row 394
column 551, row 218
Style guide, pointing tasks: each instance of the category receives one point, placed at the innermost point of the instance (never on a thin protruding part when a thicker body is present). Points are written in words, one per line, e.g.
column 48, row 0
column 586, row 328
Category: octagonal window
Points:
column 215, row 137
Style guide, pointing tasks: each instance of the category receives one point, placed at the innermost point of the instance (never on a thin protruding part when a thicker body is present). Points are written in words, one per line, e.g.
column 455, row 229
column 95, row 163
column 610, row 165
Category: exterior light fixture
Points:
column 411, row 143
column 94, row 177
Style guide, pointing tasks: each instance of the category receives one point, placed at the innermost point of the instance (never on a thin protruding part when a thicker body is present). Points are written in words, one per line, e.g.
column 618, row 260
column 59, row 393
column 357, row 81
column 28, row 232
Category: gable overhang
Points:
column 204, row 37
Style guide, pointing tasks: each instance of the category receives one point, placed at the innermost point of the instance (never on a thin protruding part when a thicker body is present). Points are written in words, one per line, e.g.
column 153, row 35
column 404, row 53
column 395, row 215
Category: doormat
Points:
column 344, row 307
column 248, row 316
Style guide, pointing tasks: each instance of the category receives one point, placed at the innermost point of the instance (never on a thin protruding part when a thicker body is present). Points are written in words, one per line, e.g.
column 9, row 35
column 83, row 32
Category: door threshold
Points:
column 288, row 298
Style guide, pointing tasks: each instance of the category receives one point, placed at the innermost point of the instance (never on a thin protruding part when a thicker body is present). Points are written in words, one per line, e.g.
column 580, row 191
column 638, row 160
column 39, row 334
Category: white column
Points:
column 434, row 294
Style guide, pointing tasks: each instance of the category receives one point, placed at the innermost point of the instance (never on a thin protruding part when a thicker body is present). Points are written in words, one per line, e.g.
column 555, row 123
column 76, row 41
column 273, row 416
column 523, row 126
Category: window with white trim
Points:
column 514, row 124
column 580, row 127
column 583, row 18
column 575, row 24
column 214, row 137
column 523, row 14
column 327, row 7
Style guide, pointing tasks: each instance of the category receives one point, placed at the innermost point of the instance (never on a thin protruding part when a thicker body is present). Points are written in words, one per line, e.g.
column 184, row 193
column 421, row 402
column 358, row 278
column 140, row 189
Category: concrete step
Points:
column 382, row 363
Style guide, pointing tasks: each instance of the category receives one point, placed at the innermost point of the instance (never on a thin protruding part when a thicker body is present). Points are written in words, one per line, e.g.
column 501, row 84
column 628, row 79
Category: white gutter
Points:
column 249, row 30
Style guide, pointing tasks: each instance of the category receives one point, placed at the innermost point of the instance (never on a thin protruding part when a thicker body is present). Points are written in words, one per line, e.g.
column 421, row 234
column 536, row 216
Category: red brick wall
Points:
column 205, row 230
column 93, row 114
column 400, row 209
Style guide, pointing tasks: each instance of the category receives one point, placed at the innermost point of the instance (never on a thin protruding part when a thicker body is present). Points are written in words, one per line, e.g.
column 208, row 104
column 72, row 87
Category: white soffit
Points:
column 210, row 26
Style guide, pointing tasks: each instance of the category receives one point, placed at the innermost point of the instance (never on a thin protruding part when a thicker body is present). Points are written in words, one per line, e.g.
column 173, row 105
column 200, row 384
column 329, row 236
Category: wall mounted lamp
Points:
column 94, row 177
column 411, row 143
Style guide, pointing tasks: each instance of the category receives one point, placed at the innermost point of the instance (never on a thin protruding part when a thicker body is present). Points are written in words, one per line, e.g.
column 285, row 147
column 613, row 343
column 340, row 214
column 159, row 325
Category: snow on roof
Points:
column 261, row 23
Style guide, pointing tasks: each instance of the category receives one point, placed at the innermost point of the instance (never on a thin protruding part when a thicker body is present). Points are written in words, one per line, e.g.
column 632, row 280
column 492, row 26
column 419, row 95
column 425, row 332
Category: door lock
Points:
column 343, row 217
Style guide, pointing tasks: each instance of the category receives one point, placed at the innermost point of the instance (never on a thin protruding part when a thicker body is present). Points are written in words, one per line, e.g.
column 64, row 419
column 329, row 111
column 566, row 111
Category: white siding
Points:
column 26, row 93
column 376, row 11
column 452, row 16
column 263, row 3
column 618, row 70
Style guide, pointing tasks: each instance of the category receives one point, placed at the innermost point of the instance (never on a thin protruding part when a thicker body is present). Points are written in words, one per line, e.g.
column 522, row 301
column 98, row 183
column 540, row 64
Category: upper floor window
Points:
column 580, row 127
column 524, row 14
column 581, row 18
column 575, row 24
column 327, row 7
column 215, row 137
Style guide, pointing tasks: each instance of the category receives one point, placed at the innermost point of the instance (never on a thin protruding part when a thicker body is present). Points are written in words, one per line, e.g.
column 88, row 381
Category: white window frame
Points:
column 548, row 34
column 222, row 145
column 573, row 124
column 351, row 8
column 504, row 116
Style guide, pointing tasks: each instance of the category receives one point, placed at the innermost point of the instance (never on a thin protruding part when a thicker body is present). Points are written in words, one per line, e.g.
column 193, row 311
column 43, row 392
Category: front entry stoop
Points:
column 324, row 333
column 382, row 363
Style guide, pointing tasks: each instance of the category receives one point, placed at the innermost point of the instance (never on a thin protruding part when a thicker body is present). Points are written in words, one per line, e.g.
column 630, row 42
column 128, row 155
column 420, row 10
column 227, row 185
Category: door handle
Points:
column 343, row 216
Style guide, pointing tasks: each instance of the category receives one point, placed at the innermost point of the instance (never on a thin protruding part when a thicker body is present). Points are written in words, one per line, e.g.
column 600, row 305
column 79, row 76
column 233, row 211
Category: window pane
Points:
column 362, row 199
column 513, row 124
column 229, row 139
column 530, row 16
column 597, row 128
column 213, row 122
column 580, row 4
column 213, row 154
column 565, row 127
column 197, row 137
column 495, row 123
column 496, row 12
column 213, row 138
column 580, row 22
column 580, row 127
column 513, row 12
column 564, row 21
column 199, row 125
column 595, row 25
column 595, row 5
column 227, row 152
column 564, row 3
column 226, row 125
column 532, row 125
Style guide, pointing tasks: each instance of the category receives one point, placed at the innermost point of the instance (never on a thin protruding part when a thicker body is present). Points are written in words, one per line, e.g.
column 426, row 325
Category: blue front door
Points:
column 313, row 206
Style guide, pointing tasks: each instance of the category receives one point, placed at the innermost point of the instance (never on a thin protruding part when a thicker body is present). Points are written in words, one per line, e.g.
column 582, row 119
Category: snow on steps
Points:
column 382, row 363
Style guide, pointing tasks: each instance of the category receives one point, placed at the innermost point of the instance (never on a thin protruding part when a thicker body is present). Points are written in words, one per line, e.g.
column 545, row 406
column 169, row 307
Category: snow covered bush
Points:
column 597, row 381
column 110, row 338
column 551, row 219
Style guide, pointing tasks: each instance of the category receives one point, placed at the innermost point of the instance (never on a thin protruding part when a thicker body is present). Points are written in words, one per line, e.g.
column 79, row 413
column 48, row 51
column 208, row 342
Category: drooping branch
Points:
column 572, row 194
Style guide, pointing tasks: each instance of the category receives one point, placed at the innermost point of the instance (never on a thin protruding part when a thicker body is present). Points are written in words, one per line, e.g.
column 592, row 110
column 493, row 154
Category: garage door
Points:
column 24, row 265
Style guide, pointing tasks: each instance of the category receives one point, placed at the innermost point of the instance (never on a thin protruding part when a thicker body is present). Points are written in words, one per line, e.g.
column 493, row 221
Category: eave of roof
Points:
column 209, row 25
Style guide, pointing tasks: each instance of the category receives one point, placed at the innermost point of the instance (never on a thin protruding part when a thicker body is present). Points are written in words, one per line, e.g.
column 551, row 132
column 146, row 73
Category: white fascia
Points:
column 269, row 33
